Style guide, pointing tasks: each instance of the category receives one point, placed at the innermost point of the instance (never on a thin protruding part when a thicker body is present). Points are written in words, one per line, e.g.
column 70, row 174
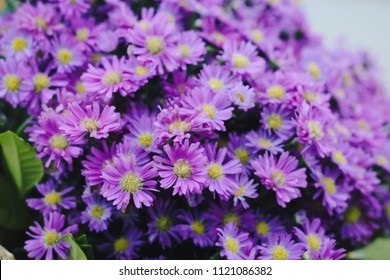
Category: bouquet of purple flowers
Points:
column 190, row 129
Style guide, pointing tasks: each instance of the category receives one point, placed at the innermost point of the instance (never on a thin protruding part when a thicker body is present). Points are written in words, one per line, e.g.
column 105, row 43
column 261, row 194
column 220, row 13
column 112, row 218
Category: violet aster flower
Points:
column 92, row 120
column 216, row 77
column 281, row 175
column 267, row 225
column 114, row 76
column 129, row 149
column 237, row 149
column 195, row 226
column 67, row 55
column 214, row 107
column 262, row 140
column 242, row 58
column 191, row 47
column 163, row 225
column 47, row 240
column 97, row 213
column 124, row 180
column 281, row 247
column 278, row 119
column 17, row 45
column 142, row 131
column 246, row 189
column 53, row 199
column 183, row 169
column 180, row 84
column 242, row 96
column 233, row 242
column 328, row 251
column 275, row 88
column 312, row 236
column 220, row 172
column 124, row 246
column 158, row 41
column 72, row 8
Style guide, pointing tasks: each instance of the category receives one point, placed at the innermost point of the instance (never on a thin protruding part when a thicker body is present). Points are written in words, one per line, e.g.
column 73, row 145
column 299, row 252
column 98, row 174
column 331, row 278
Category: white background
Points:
column 364, row 24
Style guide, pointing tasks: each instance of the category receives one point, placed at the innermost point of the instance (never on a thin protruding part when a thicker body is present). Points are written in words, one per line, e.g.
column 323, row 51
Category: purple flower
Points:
column 53, row 199
column 242, row 96
column 142, row 131
column 312, row 236
column 216, row 77
column 214, row 107
column 262, row 140
column 66, row 54
column 237, row 149
column 234, row 242
column 328, row 251
column 125, row 180
column 195, row 226
column 47, row 240
column 183, row 169
column 17, row 45
column 72, row 8
column 278, row 120
column 97, row 214
column 281, row 175
column 220, row 172
column 267, row 225
column 92, row 120
column 191, row 47
column 281, row 247
column 246, row 189
column 162, row 226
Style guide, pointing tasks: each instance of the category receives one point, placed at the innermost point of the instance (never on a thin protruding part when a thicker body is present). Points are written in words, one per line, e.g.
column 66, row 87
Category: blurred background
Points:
column 364, row 24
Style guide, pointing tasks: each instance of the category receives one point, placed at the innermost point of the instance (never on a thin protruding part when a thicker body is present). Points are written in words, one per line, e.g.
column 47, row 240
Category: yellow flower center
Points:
column 80, row 88
column 242, row 155
column 145, row 140
column 219, row 37
column 388, row 209
column 273, row 2
column 339, row 158
column 240, row 191
column 215, row 172
column 112, row 78
column 185, row 50
column 53, row 198
column 144, row 25
column 240, row 97
column 262, row 228
column 97, row 212
column 19, row 44
column 41, row 81
column 279, row 253
column 51, row 238
column 59, row 142
column 141, row 70
column 179, row 125
column 96, row 57
column 257, row 36
column 310, row 96
column 198, row 227
column 131, row 182
column 329, row 184
column 82, row 34
column 279, row 177
column 240, row 61
column 164, row 223
column 154, row 44
column 215, row 84
column 209, row 110
column 313, row 241
column 352, row 214
column 182, row 168
column 12, row 82
column 315, row 128
column 364, row 125
column 121, row 244
column 64, row 56
column 276, row 92
column 381, row 160
column 314, row 70
column 232, row 245
column 90, row 124
column 231, row 218
column 274, row 121
column 40, row 22
column 265, row 143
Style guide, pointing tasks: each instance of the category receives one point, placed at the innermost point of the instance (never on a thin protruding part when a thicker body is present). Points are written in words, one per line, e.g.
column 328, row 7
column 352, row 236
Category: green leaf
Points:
column 20, row 160
column 13, row 210
column 377, row 250
column 76, row 253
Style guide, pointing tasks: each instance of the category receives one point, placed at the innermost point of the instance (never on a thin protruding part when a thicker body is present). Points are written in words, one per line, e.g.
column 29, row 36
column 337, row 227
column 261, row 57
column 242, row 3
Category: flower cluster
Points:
column 196, row 129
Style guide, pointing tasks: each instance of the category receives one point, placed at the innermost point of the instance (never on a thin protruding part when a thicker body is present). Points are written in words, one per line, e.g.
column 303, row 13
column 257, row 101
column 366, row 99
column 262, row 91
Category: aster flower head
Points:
column 247, row 188
column 216, row 77
column 275, row 88
column 262, row 140
column 17, row 45
column 143, row 132
column 214, row 107
column 66, row 54
column 191, row 48
column 163, row 225
column 278, row 119
column 281, row 247
column 237, row 149
column 124, row 180
column 72, row 8
column 312, row 236
column 91, row 120
column 97, row 213
column 53, row 199
column 281, row 175
column 267, row 225
column 328, row 251
column 242, row 96
column 183, row 169
column 234, row 242
column 242, row 58
column 47, row 240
